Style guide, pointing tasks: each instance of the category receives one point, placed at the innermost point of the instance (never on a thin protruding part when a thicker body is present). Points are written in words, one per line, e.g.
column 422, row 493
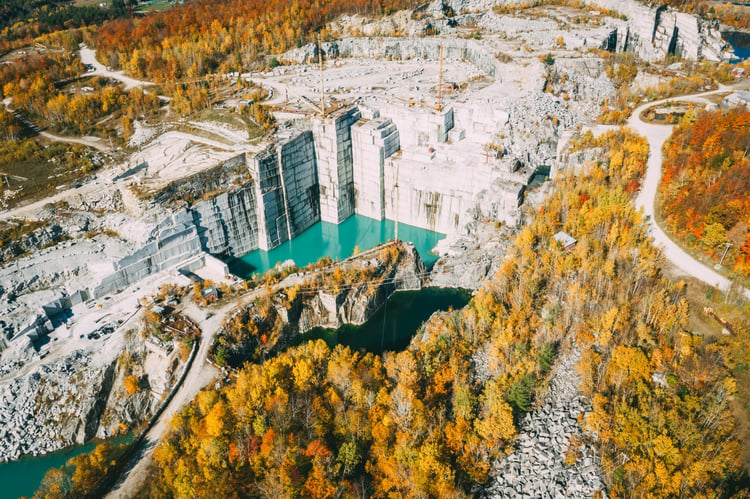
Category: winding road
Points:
column 656, row 136
column 199, row 376
column 51, row 136
column 88, row 57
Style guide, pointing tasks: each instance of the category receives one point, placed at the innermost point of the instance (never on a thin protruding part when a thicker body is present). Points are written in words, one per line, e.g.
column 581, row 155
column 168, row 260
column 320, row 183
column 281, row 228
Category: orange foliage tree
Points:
column 205, row 36
column 705, row 190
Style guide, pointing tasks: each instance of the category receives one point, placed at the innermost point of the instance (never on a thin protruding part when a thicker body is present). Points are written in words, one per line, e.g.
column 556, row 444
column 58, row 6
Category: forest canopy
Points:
column 205, row 36
column 705, row 189
column 430, row 420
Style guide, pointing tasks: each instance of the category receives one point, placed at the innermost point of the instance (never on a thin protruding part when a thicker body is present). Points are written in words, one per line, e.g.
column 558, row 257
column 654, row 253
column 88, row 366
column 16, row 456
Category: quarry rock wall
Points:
column 650, row 31
column 346, row 163
column 404, row 48
column 299, row 178
column 373, row 142
column 219, row 178
column 357, row 304
column 273, row 226
column 228, row 224
column 333, row 150
column 654, row 32
column 79, row 396
column 176, row 239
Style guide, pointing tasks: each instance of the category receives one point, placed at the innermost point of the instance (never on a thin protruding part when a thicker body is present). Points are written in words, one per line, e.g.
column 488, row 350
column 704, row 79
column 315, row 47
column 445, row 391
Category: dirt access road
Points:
column 88, row 57
column 656, row 136
column 200, row 375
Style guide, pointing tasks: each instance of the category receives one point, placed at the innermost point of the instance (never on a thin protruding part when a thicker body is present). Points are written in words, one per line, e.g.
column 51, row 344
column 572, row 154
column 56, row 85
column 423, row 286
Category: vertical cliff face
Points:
column 273, row 221
column 655, row 32
column 373, row 142
column 333, row 151
column 228, row 224
column 355, row 305
column 299, row 176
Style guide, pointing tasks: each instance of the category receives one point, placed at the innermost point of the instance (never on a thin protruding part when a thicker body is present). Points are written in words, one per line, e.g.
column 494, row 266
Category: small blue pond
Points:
column 740, row 42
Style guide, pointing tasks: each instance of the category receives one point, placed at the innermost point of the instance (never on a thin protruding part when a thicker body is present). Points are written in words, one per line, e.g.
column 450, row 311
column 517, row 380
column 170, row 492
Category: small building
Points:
column 566, row 240
column 739, row 72
column 741, row 98
column 211, row 294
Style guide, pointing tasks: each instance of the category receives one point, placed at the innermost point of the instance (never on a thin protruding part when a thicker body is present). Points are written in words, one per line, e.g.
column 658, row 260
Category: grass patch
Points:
column 200, row 132
column 45, row 168
column 155, row 6
column 235, row 121
column 12, row 230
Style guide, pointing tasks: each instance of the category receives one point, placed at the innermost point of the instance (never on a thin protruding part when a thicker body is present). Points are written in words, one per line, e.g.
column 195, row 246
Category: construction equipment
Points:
column 440, row 82
column 322, row 82
column 439, row 107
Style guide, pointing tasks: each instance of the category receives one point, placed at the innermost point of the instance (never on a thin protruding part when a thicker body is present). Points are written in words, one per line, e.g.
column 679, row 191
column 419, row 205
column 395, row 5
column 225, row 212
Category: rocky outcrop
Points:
column 72, row 399
column 56, row 405
column 229, row 173
column 293, row 309
column 655, row 32
column 27, row 283
column 357, row 304
column 538, row 466
column 103, row 200
column 469, row 259
column 39, row 238
column 454, row 49
column 651, row 31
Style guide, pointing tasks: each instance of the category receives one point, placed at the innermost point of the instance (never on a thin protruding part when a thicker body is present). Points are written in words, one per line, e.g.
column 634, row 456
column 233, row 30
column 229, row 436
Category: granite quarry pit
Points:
column 452, row 133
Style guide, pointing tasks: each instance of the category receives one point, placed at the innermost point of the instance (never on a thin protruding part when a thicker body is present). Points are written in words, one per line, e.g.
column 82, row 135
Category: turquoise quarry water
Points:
column 23, row 477
column 392, row 327
column 336, row 241
column 404, row 313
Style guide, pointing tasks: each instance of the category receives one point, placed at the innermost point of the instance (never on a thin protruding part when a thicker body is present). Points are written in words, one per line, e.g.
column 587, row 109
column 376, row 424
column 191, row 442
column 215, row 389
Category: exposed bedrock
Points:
column 656, row 32
column 478, row 53
column 356, row 305
column 56, row 405
column 74, row 398
column 651, row 31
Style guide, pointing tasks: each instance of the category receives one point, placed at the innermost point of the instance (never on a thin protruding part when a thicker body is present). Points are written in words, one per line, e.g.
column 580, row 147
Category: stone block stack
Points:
column 373, row 142
column 333, row 150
